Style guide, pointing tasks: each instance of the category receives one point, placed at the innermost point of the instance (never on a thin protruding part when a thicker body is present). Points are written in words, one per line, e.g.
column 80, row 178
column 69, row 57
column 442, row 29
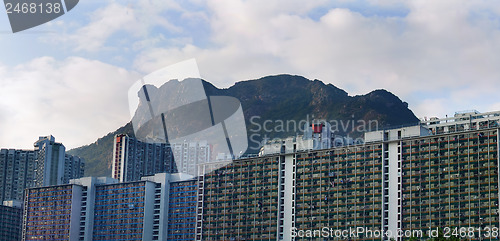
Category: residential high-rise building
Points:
column 103, row 209
column 189, row 155
column 47, row 165
column 400, row 179
column 245, row 200
column 449, row 180
column 17, row 172
column 417, row 178
column 10, row 216
column 74, row 167
column 133, row 159
column 53, row 166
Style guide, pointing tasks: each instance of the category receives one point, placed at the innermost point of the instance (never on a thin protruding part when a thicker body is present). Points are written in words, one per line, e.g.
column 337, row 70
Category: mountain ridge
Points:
column 279, row 97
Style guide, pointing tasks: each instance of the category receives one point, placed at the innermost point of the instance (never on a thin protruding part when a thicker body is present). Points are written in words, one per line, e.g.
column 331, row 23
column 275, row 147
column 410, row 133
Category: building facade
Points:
column 11, row 216
column 52, row 213
column 133, row 159
column 450, row 180
column 182, row 210
column 124, row 211
column 340, row 188
column 241, row 201
column 17, row 172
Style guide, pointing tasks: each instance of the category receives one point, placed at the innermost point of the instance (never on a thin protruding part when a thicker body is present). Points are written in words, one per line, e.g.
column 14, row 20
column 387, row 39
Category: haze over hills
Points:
column 275, row 101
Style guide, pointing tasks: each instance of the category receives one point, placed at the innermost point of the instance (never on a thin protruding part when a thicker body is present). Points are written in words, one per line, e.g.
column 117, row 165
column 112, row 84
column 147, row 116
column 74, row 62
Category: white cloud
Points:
column 105, row 22
column 77, row 100
column 444, row 48
column 135, row 19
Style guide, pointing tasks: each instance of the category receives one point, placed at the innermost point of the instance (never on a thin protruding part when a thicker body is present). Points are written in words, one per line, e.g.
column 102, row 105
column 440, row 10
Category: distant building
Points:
column 74, row 167
column 462, row 121
column 17, row 172
column 189, row 155
column 133, row 159
column 48, row 164
column 320, row 132
column 287, row 145
column 53, row 165
column 10, row 216
column 317, row 135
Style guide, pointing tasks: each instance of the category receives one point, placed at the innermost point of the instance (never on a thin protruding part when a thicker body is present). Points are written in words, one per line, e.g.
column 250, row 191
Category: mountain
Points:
column 279, row 103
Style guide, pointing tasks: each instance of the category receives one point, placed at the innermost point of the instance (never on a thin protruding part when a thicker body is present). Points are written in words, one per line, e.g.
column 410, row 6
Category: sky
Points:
column 70, row 77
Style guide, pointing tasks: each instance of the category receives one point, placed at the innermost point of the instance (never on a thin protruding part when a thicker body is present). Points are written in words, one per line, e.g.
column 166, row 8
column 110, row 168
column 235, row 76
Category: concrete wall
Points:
column 289, row 196
column 149, row 203
column 394, row 180
column 76, row 205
